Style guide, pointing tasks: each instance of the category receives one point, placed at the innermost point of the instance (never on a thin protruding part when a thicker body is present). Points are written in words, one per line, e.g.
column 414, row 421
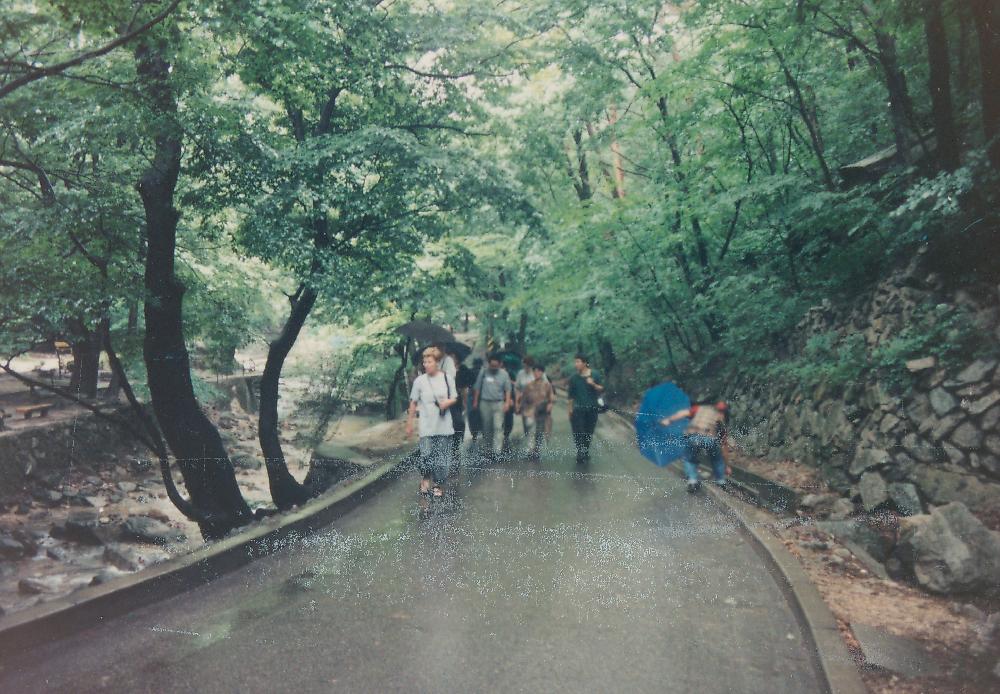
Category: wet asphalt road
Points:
column 534, row 577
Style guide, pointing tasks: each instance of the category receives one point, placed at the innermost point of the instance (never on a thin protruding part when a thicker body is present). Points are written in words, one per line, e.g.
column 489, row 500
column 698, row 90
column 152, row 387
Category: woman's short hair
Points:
column 582, row 357
column 433, row 352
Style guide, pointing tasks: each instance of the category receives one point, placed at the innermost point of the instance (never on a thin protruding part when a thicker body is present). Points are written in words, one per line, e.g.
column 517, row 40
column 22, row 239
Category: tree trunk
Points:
column 86, row 360
column 201, row 457
column 285, row 489
column 939, row 84
column 987, row 16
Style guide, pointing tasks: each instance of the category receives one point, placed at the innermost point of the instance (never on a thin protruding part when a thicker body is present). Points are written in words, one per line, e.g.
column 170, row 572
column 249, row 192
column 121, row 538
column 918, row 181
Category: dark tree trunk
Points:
column 987, row 17
column 285, row 489
column 581, row 179
column 939, row 83
column 86, row 361
column 201, row 457
column 522, row 332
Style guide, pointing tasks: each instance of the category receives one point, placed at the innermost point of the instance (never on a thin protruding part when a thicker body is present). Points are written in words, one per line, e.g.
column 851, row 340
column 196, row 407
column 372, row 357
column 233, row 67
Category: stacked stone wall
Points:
column 939, row 433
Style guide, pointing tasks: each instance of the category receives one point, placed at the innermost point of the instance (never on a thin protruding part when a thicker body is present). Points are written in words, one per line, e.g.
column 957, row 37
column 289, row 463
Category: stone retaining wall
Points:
column 85, row 441
column 940, row 434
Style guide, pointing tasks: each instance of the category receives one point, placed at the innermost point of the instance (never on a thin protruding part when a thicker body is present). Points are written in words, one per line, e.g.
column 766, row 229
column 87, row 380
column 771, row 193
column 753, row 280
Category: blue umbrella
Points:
column 661, row 444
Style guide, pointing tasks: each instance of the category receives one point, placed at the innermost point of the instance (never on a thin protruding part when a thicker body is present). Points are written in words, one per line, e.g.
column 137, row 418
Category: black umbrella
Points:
column 460, row 349
column 425, row 332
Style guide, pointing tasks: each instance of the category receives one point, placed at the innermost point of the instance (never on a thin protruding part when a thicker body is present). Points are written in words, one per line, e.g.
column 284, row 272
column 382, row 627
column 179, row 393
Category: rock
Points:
column 972, row 612
column 953, row 453
column 127, row 487
column 942, row 401
column 950, row 550
column 104, row 577
column 874, row 491
column 978, row 370
column 992, row 444
column 57, row 553
column 991, row 420
column 867, row 560
column 145, row 529
column 858, row 533
column 842, row 508
column 122, row 558
column 977, row 407
column 819, row 503
column 96, row 501
column 918, row 365
column 942, row 427
column 33, row 585
column 157, row 514
column 814, row 544
column 918, row 448
column 967, row 436
column 50, row 497
column 11, row 549
column 905, row 498
column 893, row 653
column 842, row 552
column 868, row 458
column 889, row 423
column 81, row 527
column 836, row 560
column 944, row 484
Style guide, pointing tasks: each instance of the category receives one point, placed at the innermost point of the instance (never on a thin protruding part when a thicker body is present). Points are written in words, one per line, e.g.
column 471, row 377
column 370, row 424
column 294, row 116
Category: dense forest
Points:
column 666, row 186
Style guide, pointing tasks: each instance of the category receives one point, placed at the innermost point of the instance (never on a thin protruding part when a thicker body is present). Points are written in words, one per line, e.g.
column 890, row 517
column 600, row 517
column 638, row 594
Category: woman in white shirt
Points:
column 433, row 392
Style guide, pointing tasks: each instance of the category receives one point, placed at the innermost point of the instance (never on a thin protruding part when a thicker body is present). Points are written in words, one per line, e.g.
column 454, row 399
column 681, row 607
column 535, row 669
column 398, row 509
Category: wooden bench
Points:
column 42, row 409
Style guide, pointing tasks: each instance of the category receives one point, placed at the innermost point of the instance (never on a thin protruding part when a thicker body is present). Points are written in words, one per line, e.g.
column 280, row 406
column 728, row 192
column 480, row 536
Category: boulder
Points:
column 122, row 558
column 946, row 483
column 905, row 498
column 11, row 548
column 82, row 527
column 950, row 551
column 978, row 370
column 842, row 508
column 874, row 491
column 918, row 365
column 918, row 448
column 939, row 429
column 967, row 436
column 33, row 585
column 144, row 529
column 953, row 453
column 942, row 402
column 820, row 504
column 991, row 420
column 867, row 459
column 980, row 405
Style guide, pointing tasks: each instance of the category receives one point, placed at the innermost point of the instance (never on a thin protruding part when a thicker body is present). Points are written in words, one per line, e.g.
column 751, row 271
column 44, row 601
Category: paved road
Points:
column 535, row 578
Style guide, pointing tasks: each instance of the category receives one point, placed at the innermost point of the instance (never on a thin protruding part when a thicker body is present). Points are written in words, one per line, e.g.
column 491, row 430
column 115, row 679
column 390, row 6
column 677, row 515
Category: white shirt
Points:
column 449, row 367
column 426, row 392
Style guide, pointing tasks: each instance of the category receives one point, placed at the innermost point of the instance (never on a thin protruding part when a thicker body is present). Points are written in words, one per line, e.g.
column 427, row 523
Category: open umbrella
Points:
column 459, row 348
column 661, row 444
column 425, row 332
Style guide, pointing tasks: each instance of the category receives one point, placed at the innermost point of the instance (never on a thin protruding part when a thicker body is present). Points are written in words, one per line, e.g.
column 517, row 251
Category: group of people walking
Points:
column 447, row 396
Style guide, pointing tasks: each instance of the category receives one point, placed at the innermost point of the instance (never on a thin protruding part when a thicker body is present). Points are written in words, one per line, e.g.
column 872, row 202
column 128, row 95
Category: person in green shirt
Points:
column 584, row 389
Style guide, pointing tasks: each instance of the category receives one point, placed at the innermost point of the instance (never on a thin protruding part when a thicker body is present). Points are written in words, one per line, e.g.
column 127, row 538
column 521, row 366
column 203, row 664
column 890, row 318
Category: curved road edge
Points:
column 94, row 605
column 832, row 658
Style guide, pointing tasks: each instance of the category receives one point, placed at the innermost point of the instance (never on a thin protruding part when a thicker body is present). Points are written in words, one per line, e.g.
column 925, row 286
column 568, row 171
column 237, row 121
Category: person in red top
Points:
column 706, row 431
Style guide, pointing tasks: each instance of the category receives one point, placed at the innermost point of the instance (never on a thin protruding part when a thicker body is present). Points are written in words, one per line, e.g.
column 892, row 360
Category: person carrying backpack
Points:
column 706, row 431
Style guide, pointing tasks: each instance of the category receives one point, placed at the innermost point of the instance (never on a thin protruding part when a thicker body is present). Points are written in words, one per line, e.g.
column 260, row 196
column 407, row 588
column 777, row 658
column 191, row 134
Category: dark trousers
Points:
column 457, row 421
column 582, row 422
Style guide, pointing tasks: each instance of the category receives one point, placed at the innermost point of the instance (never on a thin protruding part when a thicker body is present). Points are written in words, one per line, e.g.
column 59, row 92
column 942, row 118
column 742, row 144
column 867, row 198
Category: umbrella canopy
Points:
column 461, row 349
column 425, row 332
column 661, row 445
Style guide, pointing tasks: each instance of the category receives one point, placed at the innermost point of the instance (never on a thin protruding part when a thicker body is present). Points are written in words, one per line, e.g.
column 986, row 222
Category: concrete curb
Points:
column 831, row 657
column 825, row 641
column 94, row 605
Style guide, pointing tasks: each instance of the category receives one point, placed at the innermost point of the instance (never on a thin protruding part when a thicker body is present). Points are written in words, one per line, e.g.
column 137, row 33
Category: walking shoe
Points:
column 693, row 486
